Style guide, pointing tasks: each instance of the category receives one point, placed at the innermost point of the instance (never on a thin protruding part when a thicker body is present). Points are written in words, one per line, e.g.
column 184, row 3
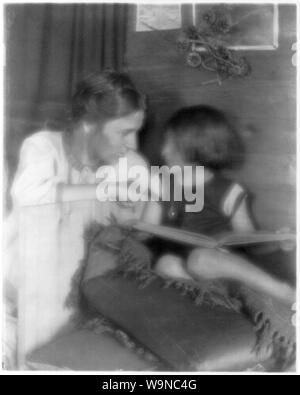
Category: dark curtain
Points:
column 49, row 47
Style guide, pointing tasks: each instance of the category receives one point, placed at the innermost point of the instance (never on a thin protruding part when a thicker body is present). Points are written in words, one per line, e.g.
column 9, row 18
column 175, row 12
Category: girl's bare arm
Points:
column 241, row 221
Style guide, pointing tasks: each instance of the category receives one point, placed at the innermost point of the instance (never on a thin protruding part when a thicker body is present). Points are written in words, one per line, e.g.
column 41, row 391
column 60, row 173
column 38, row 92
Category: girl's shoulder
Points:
column 223, row 186
column 231, row 196
column 42, row 144
column 44, row 139
column 224, row 193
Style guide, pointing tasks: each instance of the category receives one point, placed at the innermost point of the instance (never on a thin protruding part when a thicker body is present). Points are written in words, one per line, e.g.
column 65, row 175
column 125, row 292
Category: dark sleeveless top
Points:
column 212, row 220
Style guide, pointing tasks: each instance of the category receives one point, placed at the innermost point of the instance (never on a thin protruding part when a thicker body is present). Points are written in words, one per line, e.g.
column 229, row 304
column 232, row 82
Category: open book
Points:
column 229, row 239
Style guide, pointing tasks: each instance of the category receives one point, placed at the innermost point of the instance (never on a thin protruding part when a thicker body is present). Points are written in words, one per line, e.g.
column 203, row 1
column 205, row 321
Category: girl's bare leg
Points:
column 172, row 266
column 217, row 264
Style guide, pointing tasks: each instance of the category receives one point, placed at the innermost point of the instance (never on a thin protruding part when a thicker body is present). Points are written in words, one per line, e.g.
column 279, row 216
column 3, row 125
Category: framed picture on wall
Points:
column 244, row 26
column 151, row 17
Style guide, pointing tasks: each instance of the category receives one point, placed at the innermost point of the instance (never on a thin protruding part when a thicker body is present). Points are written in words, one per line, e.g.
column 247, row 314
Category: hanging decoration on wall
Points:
column 206, row 51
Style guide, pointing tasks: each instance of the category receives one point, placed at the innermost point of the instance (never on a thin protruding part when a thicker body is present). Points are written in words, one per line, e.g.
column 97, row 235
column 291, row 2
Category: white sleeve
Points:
column 232, row 200
column 35, row 180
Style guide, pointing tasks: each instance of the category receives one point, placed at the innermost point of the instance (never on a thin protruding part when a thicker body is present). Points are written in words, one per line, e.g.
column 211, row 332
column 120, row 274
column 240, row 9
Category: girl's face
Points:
column 116, row 138
column 173, row 157
column 171, row 154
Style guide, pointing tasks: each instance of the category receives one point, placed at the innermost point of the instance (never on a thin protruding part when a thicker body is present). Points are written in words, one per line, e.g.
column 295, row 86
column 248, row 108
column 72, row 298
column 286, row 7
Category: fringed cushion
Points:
column 87, row 350
column 185, row 336
column 189, row 327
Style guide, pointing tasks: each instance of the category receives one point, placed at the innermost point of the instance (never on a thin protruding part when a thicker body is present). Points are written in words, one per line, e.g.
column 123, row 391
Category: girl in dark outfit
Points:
column 202, row 136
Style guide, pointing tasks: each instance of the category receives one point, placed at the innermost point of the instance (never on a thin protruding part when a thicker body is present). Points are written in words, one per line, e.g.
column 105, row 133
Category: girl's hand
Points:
column 123, row 199
column 288, row 245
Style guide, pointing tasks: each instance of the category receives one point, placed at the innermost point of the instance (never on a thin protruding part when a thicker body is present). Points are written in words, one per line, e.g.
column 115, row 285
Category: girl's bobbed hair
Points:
column 204, row 136
column 106, row 95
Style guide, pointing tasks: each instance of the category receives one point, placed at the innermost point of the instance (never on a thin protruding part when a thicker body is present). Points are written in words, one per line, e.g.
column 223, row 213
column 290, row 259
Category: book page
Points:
column 177, row 235
column 236, row 239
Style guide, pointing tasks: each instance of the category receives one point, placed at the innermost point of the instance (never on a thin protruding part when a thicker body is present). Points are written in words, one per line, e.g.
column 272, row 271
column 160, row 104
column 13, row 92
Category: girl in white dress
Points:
column 107, row 113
